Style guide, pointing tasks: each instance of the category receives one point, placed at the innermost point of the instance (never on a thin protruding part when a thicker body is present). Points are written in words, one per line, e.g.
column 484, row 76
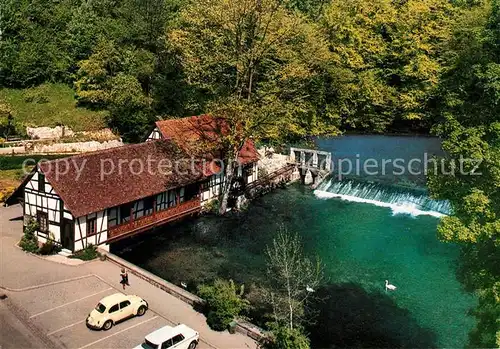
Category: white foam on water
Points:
column 397, row 208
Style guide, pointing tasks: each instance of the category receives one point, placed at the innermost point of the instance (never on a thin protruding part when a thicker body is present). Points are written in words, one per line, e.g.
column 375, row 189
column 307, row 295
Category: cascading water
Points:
column 401, row 201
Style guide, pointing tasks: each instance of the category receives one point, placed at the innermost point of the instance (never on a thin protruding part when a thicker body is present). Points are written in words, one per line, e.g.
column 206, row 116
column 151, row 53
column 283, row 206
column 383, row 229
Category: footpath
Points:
column 56, row 298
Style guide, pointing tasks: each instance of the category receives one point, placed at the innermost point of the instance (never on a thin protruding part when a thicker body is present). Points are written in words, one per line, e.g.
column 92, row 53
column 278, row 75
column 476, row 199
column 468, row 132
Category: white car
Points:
column 178, row 337
column 115, row 308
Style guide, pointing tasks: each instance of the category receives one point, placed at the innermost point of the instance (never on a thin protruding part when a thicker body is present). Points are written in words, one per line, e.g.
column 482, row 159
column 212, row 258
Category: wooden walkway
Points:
column 270, row 181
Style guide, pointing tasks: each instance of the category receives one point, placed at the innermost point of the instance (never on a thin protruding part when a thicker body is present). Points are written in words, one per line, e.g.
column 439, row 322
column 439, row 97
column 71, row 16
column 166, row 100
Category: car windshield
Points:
column 148, row 345
column 100, row 308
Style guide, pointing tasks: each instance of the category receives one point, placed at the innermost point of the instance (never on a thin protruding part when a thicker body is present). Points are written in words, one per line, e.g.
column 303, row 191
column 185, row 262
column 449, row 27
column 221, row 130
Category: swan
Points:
column 309, row 289
column 388, row 286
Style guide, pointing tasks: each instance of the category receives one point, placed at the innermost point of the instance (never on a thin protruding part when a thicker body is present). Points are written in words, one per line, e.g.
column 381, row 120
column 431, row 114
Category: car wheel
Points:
column 107, row 325
column 141, row 311
column 192, row 345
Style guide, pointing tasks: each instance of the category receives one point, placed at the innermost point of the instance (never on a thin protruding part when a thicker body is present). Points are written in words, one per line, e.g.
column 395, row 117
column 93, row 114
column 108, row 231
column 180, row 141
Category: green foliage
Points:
column 16, row 162
column 29, row 241
column 291, row 275
column 469, row 123
column 118, row 80
column 49, row 247
column 264, row 54
column 283, row 337
column 487, row 330
column 33, row 47
column 212, row 206
column 6, row 120
column 87, row 254
column 224, row 303
column 59, row 107
column 35, row 95
column 386, row 59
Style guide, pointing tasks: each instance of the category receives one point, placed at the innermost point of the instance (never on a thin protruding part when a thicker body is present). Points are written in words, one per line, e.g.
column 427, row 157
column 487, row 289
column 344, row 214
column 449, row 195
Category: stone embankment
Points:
column 60, row 140
column 49, row 132
column 275, row 170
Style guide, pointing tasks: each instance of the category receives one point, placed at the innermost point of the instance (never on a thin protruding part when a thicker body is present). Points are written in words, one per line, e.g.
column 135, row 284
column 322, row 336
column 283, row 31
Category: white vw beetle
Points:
column 178, row 337
column 115, row 308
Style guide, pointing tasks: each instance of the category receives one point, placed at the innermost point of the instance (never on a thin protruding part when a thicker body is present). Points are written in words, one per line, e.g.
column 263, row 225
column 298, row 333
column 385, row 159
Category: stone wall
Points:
column 270, row 161
column 76, row 147
column 33, row 147
column 49, row 132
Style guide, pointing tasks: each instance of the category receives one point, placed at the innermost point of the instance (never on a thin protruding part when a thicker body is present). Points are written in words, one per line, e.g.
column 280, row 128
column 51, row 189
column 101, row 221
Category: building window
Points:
column 148, row 205
column 181, row 194
column 43, row 221
column 143, row 207
column 41, row 182
column 125, row 211
column 161, row 201
column 172, row 198
column 112, row 216
column 250, row 170
column 91, row 226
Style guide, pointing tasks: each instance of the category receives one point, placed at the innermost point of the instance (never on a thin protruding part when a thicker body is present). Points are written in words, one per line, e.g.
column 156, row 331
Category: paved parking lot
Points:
column 61, row 316
column 51, row 302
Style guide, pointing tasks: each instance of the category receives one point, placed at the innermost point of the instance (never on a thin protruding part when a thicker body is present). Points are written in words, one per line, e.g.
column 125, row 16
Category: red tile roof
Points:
column 95, row 181
column 203, row 132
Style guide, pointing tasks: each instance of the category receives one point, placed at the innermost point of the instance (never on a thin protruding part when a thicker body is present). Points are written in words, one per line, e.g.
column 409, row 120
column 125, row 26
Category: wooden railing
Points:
column 271, row 177
column 158, row 218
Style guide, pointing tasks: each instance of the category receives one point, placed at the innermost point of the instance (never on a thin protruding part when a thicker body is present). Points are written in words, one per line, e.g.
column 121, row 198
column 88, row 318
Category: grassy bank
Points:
column 16, row 162
column 50, row 105
column 12, row 171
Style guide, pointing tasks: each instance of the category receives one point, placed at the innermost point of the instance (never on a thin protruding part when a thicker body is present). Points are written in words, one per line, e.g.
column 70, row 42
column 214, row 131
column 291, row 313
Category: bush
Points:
column 283, row 337
column 6, row 192
column 29, row 241
column 49, row 247
column 212, row 206
column 87, row 254
column 224, row 303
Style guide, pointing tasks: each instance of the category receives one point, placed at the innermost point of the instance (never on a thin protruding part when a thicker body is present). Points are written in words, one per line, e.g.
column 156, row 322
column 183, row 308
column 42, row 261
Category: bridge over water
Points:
column 313, row 165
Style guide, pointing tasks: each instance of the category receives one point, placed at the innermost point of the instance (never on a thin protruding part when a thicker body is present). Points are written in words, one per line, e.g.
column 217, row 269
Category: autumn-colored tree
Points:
column 255, row 62
column 388, row 58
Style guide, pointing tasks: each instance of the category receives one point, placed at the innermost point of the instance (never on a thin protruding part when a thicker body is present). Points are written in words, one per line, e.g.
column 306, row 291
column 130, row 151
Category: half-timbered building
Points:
column 202, row 133
column 100, row 197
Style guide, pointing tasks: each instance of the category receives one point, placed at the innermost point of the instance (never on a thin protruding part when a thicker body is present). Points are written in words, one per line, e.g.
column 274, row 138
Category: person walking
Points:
column 124, row 276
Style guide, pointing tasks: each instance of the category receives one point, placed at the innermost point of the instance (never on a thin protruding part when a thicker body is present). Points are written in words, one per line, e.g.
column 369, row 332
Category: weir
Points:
column 313, row 165
column 400, row 200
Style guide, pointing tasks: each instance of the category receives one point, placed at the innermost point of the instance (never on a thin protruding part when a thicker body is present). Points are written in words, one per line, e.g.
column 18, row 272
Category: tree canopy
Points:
column 470, row 126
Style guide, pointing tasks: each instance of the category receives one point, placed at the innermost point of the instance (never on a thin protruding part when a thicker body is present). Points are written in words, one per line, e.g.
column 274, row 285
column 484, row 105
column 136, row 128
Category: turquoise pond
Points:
column 364, row 234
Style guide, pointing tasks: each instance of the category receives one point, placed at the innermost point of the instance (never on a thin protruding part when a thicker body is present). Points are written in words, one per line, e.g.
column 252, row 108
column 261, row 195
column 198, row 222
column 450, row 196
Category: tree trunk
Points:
column 226, row 187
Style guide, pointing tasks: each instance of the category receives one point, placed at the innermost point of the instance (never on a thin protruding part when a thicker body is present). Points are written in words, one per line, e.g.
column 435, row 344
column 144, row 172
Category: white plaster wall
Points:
column 56, row 230
column 212, row 192
column 156, row 134
column 81, row 238
column 34, row 202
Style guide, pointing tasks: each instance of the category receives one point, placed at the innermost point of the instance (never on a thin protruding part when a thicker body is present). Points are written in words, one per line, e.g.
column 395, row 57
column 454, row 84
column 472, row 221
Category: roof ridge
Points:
column 183, row 118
